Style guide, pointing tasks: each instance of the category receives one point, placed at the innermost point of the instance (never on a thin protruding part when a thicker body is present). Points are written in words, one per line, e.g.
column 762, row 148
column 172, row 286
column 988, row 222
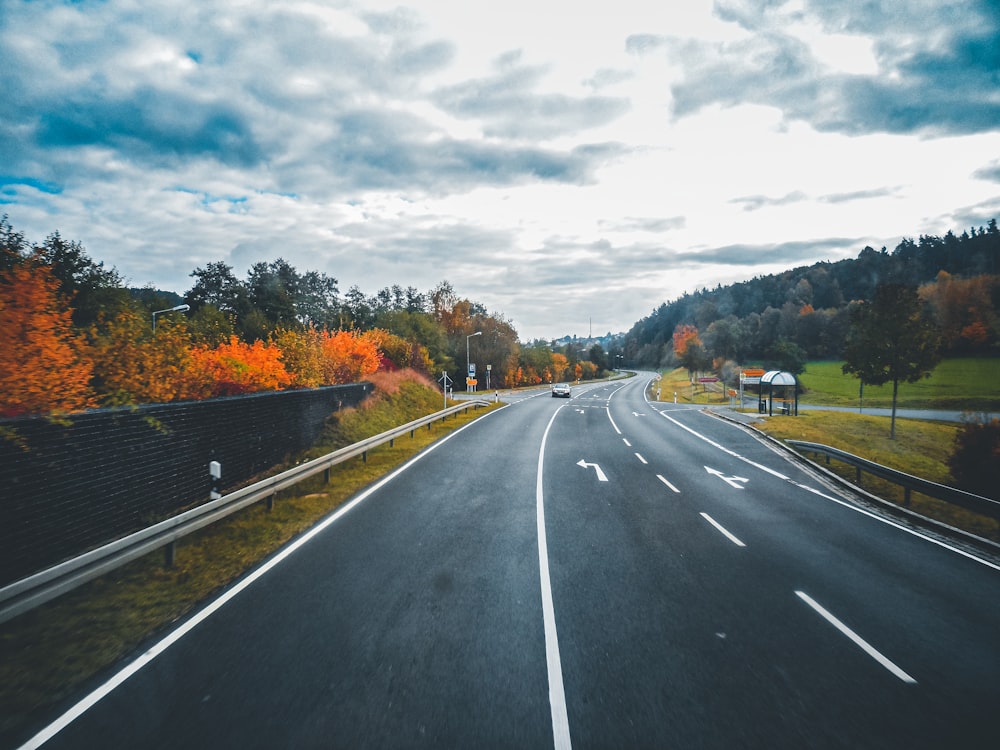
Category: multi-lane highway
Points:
column 592, row 572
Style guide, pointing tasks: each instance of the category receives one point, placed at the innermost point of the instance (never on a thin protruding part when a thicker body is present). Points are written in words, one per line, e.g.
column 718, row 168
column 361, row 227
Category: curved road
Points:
column 592, row 572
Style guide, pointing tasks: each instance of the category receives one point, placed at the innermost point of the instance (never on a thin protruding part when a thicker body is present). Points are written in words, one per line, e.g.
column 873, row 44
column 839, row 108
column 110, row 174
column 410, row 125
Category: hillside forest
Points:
column 781, row 321
column 73, row 336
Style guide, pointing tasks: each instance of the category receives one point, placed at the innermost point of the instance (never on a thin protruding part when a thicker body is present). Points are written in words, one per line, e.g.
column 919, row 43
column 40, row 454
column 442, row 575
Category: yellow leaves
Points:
column 131, row 365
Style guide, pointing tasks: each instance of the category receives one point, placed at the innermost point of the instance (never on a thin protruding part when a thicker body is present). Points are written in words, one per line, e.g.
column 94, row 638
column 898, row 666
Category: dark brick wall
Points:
column 66, row 488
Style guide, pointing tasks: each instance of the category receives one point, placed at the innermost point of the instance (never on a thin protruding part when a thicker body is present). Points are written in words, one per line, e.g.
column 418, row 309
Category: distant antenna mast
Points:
column 591, row 327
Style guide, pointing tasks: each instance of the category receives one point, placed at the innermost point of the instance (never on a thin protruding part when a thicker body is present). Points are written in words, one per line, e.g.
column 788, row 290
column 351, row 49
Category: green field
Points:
column 956, row 384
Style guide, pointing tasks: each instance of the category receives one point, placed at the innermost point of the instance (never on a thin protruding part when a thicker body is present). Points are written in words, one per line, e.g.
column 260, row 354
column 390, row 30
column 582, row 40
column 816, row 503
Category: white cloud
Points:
column 558, row 162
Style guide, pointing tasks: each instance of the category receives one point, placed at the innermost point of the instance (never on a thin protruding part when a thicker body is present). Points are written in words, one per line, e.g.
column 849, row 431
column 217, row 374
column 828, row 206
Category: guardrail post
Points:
column 857, row 475
column 906, row 497
column 169, row 553
column 270, row 501
column 326, row 475
column 364, row 457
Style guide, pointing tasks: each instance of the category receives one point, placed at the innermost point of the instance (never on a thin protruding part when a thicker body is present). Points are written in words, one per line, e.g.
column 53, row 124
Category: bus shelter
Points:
column 781, row 387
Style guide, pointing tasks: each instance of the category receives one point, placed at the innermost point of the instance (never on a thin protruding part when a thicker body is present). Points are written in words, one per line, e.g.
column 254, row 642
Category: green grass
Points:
column 970, row 384
column 47, row 654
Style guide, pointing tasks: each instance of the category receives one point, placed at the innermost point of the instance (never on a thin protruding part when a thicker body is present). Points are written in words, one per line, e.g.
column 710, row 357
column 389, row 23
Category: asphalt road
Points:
column 592, row 572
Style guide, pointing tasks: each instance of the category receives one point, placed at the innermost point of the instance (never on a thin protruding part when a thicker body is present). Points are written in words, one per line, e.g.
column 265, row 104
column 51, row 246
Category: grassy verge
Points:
column 679, row 382
column 49, row 653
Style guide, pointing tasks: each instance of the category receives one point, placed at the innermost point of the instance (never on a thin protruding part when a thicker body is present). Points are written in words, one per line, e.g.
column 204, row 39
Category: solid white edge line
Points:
column 857, row 639
column 102, row 691
column 664, row 480
column 557, row 692
column 843, row 503
column 723, row 531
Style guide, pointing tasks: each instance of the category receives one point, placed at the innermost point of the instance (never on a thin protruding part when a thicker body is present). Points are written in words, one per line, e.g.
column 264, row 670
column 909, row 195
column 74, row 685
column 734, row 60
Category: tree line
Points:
column 73, row 336
column 783, row 320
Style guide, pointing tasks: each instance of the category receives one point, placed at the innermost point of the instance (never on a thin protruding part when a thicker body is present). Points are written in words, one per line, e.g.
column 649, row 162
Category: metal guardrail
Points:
column 27, row 593
column 976, row 503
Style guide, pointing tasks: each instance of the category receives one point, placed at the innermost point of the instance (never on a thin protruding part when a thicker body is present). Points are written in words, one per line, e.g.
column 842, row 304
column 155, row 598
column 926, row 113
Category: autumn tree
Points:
column 964, row 310
column 396, row 353
column 44, row 364
column 302, row 355
column 134, row 366
column 891, row 340
column 348, row 356
column 689, row 350
column 560, row 366
column 234, row 367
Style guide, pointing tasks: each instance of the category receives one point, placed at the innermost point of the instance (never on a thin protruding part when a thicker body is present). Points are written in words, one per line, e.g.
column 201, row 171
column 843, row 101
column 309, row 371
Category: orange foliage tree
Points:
column 964, row 310
column 348, row 356
column 685, row 336
column 44, row 364
column 235, row 367
column 560, row 364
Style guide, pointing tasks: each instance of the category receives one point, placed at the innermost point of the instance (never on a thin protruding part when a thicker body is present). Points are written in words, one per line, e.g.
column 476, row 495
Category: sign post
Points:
column 445, row 382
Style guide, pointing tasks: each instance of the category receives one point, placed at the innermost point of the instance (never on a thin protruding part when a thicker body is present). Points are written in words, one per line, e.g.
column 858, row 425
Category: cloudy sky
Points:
column 559, row 161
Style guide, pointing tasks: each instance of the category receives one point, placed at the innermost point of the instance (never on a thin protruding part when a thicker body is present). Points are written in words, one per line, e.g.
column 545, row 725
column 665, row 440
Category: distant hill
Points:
column 807, row 307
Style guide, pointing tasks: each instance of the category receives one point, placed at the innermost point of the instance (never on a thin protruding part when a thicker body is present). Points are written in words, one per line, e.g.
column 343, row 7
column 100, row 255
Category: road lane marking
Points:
column 724, row 449
column 662, row 479
column 857, row 639
column 627, row 443
column 612, row 421
column 723, row 531
column 557, row 692
column 639, row 456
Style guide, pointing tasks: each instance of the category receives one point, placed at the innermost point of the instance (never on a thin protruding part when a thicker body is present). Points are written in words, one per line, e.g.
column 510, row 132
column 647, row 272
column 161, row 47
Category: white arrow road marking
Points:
column 601, row 477
column 731, row 481
column 637, row 414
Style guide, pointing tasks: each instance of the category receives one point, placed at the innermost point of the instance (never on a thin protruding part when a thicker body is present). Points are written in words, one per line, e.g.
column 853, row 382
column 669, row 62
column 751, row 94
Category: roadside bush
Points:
column 975, row 462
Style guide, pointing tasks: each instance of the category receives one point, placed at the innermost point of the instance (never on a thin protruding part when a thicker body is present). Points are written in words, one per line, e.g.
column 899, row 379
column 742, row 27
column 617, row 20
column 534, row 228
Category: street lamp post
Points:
column 468, row 364
column 179, row 308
